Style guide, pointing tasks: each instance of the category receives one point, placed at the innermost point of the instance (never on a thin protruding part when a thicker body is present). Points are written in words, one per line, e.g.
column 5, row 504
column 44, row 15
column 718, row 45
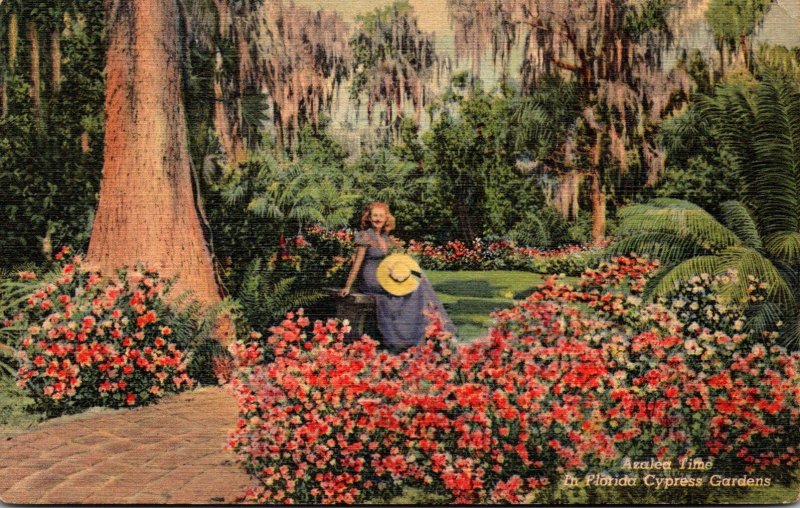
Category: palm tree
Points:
column 759, row 236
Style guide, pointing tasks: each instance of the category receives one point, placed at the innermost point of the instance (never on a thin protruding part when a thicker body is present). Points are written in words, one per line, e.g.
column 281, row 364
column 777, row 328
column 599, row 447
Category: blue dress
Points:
column 401, row 319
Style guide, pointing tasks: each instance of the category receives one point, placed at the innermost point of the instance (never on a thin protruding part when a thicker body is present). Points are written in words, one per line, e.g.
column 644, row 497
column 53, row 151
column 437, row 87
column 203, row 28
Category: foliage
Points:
column 551, row 390
column 14, row 291
column 758, row 237
column 263, row 200
column 470, row 151
column 698, row 167
column 732, row 22
column 264, row 297
column 620, row 95
column 90, row 341
column 392, row 61
column 397, row 176
column 50, row 161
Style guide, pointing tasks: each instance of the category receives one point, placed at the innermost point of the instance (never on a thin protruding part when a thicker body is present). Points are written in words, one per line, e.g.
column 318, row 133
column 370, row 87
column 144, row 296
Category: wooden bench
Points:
column 359, row 309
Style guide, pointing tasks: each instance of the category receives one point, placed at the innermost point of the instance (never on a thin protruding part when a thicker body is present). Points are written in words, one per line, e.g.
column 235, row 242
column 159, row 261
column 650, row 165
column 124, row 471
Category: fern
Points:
column 263, row 301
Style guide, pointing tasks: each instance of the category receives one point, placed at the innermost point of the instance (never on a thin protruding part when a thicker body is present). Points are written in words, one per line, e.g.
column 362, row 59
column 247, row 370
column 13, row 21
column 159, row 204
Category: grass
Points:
column 470, row 296
column 15, row 413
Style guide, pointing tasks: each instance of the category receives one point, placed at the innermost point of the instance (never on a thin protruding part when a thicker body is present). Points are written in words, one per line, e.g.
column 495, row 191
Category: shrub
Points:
column 498, row 254
column 573, row 379
column 90, row 341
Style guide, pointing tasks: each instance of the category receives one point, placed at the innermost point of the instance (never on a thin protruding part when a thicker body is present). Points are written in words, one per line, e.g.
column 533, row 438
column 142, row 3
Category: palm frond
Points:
column 669, row 279
column 666, row 247
column 679, row 218
column 752, row 267
column 767, row 151
column 737, row 217
column 790, row 330
column 763, row 316
column 785, row 246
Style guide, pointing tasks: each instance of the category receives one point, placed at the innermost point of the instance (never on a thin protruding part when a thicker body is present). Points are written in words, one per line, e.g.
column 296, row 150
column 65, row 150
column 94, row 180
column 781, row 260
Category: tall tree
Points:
column 227, row 31
column 612, row 50
column 303, row 57
column 732, row 24
column 393, row 60
column 147, row 210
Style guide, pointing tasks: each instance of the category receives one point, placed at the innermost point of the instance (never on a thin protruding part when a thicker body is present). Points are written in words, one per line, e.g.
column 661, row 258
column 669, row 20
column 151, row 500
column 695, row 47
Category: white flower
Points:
column 634, row 300
column 738, row 325
column 692, row 347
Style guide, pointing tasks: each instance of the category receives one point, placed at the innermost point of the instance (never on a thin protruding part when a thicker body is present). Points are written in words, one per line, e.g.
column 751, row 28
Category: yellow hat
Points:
column 398, row 274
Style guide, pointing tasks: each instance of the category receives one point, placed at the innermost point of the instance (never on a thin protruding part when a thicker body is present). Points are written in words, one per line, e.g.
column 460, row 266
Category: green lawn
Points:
column 470, row 296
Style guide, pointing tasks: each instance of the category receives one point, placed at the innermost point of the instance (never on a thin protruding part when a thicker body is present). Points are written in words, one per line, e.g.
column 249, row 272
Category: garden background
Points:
column 604, row 194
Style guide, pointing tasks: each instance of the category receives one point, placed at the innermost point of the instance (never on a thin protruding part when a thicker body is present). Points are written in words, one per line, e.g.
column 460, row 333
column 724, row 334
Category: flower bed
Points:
column 571, row 380
column 504, row 255
column 88, row 341
column 481, row 255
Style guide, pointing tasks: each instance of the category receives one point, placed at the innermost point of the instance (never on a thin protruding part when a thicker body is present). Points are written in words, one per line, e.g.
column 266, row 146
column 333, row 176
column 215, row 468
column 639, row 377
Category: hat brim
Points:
column 392, row 286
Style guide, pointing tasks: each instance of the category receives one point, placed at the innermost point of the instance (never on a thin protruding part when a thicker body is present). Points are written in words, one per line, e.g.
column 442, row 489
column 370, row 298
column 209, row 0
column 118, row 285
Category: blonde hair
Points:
column 390, row 222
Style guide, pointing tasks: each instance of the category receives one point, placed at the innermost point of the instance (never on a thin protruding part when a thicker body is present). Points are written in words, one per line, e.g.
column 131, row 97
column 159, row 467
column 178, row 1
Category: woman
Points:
column 401, row 319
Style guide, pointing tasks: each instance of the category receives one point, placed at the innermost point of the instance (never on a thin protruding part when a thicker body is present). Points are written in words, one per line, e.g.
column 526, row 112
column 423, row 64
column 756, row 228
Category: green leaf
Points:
column 670, row 278
column 785, row 245
column 738, row 218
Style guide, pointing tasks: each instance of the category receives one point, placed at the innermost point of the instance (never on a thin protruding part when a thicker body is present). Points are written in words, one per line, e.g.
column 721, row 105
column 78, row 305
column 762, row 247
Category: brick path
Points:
column 171, row 452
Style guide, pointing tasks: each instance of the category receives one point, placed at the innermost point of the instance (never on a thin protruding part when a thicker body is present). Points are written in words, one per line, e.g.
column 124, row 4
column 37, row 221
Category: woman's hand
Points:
column 344, row 292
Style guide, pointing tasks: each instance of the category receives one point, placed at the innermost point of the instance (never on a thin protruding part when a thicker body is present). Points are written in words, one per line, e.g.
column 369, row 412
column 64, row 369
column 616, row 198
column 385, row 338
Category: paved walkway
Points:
column 172, row 452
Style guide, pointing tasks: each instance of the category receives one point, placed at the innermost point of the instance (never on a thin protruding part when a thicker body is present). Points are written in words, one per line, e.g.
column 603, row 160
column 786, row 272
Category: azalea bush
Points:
column 703, row 302
column 89, row 341
column 570, row 380
column 503, row 255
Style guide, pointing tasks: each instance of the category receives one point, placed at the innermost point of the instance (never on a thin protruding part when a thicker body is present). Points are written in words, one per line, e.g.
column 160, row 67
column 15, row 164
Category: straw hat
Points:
column 398, row 274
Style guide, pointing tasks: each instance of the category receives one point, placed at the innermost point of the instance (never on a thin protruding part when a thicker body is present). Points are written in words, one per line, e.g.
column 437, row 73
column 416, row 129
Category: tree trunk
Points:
column 13, row 41
column 85, row 146
column 147, row 209
column 598, row 199
column 3, row 97
column 36, row 84
column 55, row 55
column 744, row 48
column 567, row 193
column 226, row 119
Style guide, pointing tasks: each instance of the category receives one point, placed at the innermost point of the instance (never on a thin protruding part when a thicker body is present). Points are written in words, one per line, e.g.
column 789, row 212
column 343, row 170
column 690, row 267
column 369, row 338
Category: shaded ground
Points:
column 172, row 452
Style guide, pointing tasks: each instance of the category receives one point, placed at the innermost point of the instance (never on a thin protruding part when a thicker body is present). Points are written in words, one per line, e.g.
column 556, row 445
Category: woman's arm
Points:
column 358, row 260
